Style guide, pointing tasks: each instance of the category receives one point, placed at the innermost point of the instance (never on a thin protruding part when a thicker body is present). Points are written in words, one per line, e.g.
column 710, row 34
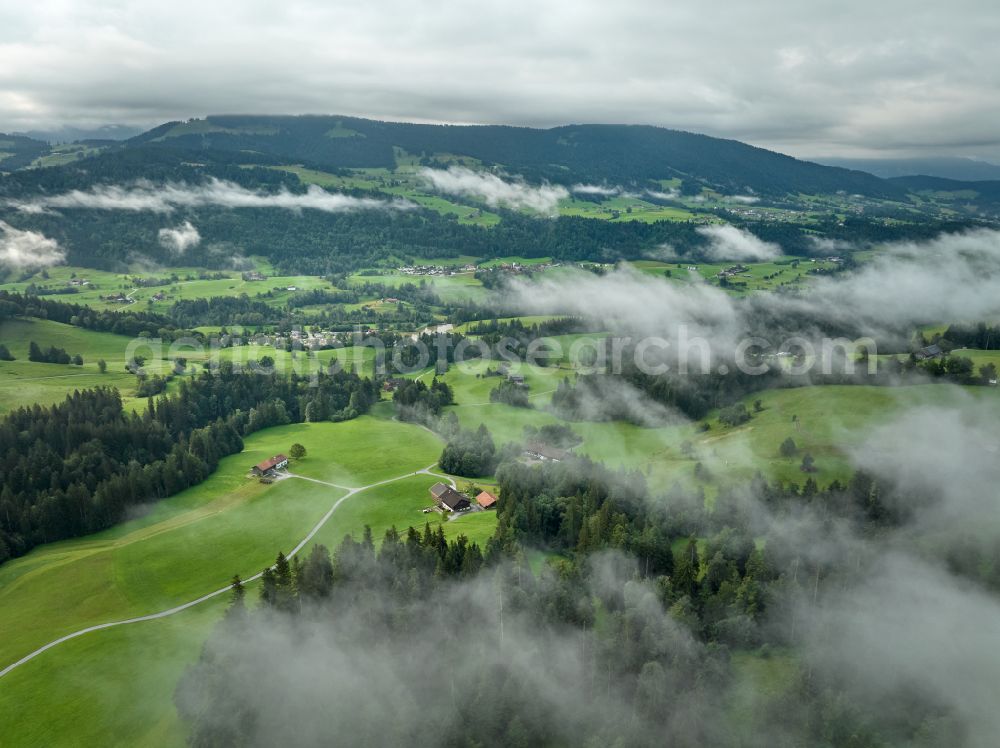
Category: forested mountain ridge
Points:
column 18, row 151
column 105, row 207
column 616, row 154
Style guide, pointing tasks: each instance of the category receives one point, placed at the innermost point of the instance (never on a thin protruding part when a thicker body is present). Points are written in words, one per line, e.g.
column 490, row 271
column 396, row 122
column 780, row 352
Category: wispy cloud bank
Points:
column 493, row 190
column 146, row 196
column 661, row 195
column 903, row 285
column 181, row 238
column 953, row 277
column 823, row 245
column 20, row 249
column 730, row 243
column 595, row 189
column 603, row 190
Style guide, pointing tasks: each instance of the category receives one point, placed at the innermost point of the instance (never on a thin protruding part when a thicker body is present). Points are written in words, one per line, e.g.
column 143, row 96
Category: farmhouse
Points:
column 269, row 466
column 516, row 378
column 449, row 499
column 486, row 500
column 931, row 351
column 545, row 452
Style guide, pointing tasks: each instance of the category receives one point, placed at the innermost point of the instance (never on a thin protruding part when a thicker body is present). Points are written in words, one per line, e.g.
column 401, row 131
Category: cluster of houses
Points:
column 439, row 270
column 117, row 298
column 450, row 500
column 435, row 270
column 77, row 282
column 253, row 275
column 772, row 215
column 316, row 339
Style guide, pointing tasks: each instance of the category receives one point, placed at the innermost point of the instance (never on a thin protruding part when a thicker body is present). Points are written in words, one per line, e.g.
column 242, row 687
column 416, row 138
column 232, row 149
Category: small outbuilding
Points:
column 486, row 500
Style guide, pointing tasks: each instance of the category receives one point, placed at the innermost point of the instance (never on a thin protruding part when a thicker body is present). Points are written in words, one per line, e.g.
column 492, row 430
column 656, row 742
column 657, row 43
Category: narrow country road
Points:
column 165, row 613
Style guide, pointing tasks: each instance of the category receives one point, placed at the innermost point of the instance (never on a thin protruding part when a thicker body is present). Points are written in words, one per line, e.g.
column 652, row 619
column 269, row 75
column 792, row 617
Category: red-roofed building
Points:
column 267, row 467
column 486, row 500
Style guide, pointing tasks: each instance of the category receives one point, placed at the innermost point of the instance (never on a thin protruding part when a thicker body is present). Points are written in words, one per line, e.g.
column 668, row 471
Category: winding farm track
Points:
column 351, row 491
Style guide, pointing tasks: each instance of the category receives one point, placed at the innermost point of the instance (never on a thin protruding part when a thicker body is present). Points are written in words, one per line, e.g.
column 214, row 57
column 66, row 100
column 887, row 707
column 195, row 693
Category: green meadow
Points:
column 402, row 183
column 119, row 682
column 405, row 182
column 461, row 286
column 825, row 421
column 624, row 208
column 24, row 382
column 175, row 550
column 759, row 276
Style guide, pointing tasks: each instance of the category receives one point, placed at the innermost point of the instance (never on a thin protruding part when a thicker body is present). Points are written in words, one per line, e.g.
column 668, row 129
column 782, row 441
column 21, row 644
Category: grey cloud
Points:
column 165, row 198
column 809, row 79
column 181, row 238
column 595, row 189
column 825, row 246
column 20, row 249
column 322, row 676
column 912, row 627
column 494, row 191
column 902, row 285
column 946, row 460
column 730, row 243
column 660, row 195
column 952, row 277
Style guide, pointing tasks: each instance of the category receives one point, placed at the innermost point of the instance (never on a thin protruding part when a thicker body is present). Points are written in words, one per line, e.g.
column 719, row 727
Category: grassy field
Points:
column 406, row 182
column 24, row 382
column 457, row 287
column 979, row 358
column 624, row 208
column 403, row 183
column 113, row 687
column 176, row 550
column 759, row 276
column 120, row 681
column 187, row 286
column 65, row 153
column 828, row 421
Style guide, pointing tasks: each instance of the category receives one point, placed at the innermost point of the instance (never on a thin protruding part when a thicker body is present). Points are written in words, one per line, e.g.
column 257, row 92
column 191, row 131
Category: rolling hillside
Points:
column 613, row 154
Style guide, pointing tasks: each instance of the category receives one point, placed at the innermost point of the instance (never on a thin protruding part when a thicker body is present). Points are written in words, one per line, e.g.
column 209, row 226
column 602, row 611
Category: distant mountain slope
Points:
column 612, row 154
column 964, row 169
column 17, row 151
column 69, row 134
column 982, row 192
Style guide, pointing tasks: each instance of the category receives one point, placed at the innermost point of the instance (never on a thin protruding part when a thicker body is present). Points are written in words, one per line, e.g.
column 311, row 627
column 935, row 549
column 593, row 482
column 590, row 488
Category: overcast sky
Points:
column 808, row 77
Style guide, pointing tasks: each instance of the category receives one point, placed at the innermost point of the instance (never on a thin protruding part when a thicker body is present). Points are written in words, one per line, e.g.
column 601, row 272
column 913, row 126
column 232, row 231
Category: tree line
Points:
column 76, row 467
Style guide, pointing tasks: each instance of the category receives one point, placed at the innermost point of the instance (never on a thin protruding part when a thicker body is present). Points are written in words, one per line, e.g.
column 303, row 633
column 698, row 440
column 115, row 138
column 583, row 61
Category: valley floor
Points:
column 120, row 681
